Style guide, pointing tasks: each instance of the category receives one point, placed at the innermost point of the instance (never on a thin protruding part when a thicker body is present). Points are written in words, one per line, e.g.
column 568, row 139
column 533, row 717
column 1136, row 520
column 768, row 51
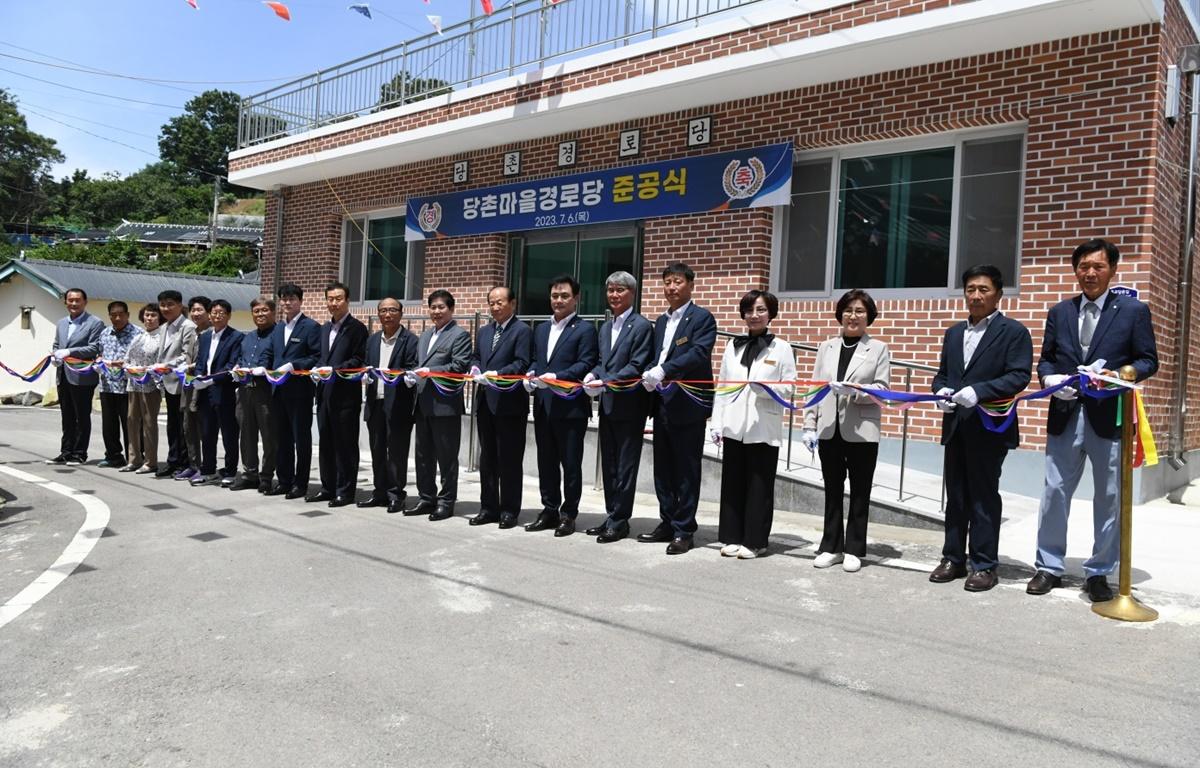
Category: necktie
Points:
column 496, row 336
column 1090, row 314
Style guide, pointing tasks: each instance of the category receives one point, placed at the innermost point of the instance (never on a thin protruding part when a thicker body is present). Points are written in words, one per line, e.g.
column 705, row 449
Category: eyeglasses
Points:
column 388, row 311
column 856, row 312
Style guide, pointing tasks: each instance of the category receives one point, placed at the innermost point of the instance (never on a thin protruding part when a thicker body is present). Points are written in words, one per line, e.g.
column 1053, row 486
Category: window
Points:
column 904, row 220
column 590, row 254
column 377, row 262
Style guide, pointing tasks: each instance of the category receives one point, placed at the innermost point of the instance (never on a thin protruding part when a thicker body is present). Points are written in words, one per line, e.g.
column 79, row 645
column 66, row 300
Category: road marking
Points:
column 94, row 523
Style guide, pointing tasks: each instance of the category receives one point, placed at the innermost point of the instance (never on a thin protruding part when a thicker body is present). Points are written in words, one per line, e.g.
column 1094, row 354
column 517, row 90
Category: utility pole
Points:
column 212, row 230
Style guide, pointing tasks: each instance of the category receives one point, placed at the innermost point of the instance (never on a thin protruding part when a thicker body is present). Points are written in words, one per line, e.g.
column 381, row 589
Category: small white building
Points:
column 31, row 304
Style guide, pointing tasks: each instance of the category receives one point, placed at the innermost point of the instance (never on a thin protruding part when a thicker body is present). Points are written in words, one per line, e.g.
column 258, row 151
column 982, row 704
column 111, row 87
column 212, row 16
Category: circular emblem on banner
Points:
column 430, row 216
column 743, row 181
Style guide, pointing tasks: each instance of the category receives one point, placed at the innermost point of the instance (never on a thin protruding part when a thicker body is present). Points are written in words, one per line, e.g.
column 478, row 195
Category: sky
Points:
column 223, row 44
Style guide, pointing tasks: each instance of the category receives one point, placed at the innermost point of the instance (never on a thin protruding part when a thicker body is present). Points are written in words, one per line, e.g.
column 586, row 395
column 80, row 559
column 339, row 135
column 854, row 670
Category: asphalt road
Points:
column 212, row 628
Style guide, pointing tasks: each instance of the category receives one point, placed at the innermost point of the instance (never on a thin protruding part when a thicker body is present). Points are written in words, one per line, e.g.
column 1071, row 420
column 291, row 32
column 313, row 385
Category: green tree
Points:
column 405, row 89
column 198, row 142
column 153, row 194
column 25, row 161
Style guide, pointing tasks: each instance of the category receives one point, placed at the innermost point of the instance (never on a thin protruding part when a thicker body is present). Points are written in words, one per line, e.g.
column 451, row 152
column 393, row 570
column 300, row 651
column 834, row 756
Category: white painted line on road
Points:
column 94, row 523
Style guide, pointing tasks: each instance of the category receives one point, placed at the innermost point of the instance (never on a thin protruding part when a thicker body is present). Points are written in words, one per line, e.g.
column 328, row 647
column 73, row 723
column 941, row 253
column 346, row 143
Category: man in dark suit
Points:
column 216, row 398
column 986, row 358
column 339, row 401
column 77, row 336
column 683, row 342
column 626, row 349
column 1104, row 331
column 389, row 408
column 564, row 348
column 254, row 413
column 295, row 346
column 444, row 347
column 503, row 347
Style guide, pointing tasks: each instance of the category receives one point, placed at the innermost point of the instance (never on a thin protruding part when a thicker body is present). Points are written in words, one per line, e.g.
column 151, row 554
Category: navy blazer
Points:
column 1124, row 335
column 223, row 390
column 1000, row 367
column 397, row 400
column 512, row 357
column 689, row 359
column 575, row 355
column 629, row 359
column 348, row 351
column 303, row 348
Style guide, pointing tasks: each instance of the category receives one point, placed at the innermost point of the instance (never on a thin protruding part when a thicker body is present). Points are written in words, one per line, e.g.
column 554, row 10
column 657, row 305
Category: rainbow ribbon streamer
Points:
column 34, row 373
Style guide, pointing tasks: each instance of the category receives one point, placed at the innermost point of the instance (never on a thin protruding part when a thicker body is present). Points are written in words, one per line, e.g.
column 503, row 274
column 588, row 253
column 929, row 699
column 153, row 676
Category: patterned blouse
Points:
column 144, row 352
column 114, row 345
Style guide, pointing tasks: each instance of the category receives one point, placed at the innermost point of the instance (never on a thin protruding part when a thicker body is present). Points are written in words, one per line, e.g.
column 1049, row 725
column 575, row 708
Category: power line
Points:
column 89, row 133
column 89, row 71
column 87, row 120
column 22, row 89
column 93, row 93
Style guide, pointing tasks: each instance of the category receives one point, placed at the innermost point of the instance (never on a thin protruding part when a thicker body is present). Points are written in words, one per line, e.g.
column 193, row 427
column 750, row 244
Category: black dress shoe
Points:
column 659, row 535
column 166, row 472
column 341, row 501
column 265, row 488
column 947, row 571
column 544, row 522
column 420, row 508
column 113, row 463
column 981, row 581
column 1098, row 589
column 508, row 520
column 244, row 483
column 566, row 526
column 1042, row 582
column 273, row 490
column 596, row 530
column 59, row 459
column 373, row 501
column 319, row 496
column 441, row 513
column 485, row 517
column 609, row 535
column 296, row 493
column 679, row 546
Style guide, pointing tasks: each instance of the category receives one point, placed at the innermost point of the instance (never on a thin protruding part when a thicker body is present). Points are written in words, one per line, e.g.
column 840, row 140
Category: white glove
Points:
column 966, row 397
column 410, row 379
column 840, row 388
column 528, row 384
column 476, row 375
column 715, row 435
column 593, row 386
column 946, row 406
column 1066, row 393
column 653, row 377
column 421, row 371
column 286, row 368
column 201, row 384
column 324, row 370
column 258, row 370
column 541, row 382
column 483, row 378
column 809, row 439
column 61, row 354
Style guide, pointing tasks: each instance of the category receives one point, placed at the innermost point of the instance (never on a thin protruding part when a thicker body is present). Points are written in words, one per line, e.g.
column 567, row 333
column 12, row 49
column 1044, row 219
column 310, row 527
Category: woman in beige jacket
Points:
column 750, row 426
column 844, row 427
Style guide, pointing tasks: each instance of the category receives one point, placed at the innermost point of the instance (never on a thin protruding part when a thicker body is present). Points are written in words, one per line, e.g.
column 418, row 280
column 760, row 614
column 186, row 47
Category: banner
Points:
column 749, row 178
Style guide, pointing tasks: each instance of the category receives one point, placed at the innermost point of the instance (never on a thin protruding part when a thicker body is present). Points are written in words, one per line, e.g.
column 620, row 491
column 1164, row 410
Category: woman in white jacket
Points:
column 844, row 427
column 749, row 424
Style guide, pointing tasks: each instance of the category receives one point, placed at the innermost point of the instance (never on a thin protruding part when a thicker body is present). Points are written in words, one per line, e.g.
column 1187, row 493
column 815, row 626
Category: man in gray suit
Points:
column 177, row 347
column 78, row 337
column 443, row 348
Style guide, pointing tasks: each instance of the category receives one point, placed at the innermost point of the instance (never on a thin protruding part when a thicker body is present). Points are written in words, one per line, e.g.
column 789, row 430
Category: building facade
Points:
column 926, row 136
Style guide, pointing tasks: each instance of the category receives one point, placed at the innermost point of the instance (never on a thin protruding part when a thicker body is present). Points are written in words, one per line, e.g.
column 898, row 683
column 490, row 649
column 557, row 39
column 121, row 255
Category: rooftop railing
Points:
column 519, row 37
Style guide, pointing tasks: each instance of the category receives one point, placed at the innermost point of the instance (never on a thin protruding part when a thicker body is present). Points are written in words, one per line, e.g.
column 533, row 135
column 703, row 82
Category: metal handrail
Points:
column 525, row 35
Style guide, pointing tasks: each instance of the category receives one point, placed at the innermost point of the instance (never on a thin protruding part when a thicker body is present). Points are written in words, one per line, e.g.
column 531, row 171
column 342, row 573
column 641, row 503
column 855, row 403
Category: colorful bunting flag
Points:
column 436, row 21
column 192, row 3
column 364, row 9
column 487, row 7
column 280, row 9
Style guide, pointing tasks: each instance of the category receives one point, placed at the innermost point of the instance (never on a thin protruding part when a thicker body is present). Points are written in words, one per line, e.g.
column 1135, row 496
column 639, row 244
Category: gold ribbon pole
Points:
column 1125, row 607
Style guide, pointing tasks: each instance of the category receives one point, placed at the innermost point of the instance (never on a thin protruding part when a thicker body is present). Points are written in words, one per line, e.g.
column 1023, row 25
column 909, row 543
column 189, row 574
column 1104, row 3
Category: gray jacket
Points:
column 81, row 342
column 177, row 346
column 452, row 354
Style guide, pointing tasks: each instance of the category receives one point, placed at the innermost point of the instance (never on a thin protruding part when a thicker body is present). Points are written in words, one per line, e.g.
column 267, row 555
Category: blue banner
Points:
column 750, row 178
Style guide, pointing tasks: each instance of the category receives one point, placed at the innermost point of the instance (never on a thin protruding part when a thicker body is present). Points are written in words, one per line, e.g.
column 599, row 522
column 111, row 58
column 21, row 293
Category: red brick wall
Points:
column 1096, row 150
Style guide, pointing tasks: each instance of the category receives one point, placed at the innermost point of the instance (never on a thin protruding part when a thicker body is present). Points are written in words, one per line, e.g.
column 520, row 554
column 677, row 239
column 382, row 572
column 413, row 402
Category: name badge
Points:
column 769, row 361
column 681, row 341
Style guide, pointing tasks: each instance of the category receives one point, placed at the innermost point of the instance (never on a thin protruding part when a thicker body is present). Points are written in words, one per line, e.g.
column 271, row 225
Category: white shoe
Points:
column 851, row 564
column 730, row 550
column 745, row 553
column 826, row 559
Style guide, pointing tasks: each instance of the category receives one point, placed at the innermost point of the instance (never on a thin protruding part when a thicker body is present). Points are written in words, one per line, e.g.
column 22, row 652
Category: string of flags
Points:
column 282, row 11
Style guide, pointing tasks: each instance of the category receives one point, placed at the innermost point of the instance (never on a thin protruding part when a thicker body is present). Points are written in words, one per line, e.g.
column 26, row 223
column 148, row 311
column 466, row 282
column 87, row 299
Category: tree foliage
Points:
column 152, row 194
column 405, row 89
column 222, row 261
column 199, row 141
column 25, row 161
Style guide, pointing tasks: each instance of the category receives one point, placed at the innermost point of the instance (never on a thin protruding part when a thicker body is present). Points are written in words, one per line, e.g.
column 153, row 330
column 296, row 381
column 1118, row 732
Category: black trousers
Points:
column 839, row 457
column 437, row 441
column 560, row 461
column 678, row 450
column 75, row 408
column 338, row 457
column 747, row 492
column 389, row 440
column 214, row 418
column 114, row 425
column 620, row 457
column 255, row 423
column 293, row 416
column 973, row 505
column 501, row 460
column 176, row 452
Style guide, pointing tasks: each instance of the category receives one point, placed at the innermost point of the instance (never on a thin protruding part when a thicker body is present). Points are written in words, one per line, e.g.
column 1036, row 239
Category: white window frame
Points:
column 360, row 289
column 836, row 155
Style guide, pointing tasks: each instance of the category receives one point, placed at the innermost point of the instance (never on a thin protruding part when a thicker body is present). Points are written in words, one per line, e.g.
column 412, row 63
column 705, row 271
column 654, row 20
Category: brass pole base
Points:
column 1125, row 608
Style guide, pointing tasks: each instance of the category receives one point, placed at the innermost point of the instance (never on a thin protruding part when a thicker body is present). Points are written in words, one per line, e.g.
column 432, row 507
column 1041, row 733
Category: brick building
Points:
column 927, row 135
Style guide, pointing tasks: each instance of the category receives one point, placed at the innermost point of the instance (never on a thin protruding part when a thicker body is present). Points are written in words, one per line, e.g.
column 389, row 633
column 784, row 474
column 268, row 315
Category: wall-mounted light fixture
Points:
column 26, row 317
